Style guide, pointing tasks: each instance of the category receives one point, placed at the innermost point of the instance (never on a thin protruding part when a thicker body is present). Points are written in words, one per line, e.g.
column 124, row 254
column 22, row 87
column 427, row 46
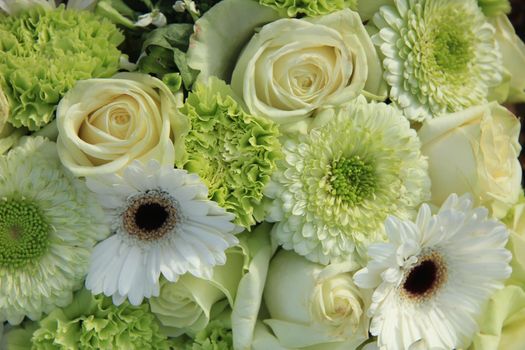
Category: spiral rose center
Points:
column 426, row 278
column 150, row 216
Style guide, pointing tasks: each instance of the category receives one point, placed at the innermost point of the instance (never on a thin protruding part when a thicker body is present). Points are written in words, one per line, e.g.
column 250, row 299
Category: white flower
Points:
column 155, row 17
column 49, row 224
column 334, row 187
column 163, row 223
column 433, row 276
column 439, row 55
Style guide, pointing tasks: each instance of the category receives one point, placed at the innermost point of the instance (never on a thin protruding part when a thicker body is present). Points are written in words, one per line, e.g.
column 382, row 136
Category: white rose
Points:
column 105, row 124
column 292, row 67
column 476, row 151
column 513, row 52
column 314, row 305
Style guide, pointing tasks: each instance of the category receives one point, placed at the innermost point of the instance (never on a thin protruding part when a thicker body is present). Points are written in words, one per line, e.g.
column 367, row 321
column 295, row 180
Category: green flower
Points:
column 216, row 336
column 309, row 7
column 94, row 322
column 493, row 8
column 336, row 185
column 49, row 223
column 43, row 52
column 440, row 55
column 232, row 151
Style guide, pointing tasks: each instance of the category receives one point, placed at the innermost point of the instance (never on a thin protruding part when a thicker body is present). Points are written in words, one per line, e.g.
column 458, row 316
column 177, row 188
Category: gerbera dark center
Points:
column 150, row 215
column 24, row 233
column 352, row 179
column 426, row 278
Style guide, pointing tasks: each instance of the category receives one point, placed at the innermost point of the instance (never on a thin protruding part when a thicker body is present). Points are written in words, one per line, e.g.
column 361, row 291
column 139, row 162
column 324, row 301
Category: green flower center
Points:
column 23, row 233
column 452, row 49
column 352, row 179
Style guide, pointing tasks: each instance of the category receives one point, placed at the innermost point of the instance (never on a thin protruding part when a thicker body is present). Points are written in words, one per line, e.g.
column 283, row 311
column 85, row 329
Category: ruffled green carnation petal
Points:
column 440, row 55
column 232, row 151
column 216, row 336
column 309, row 8
column 44, row 256
column 336, row 186
column 43, row 52
column 94, row 322
column 493, row 8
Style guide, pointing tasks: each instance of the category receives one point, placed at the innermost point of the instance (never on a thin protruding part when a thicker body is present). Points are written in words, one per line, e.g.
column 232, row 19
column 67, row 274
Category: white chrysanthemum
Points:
column 433, row 276
column 335, row 186
column 440, row 55
column 49, row 224
column 162, row 223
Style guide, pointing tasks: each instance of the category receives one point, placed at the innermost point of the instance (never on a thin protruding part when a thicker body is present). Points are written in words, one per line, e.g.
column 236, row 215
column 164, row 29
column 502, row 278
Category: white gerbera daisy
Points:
column 49, row 224
column 434, row 275
column 440, row 55
column 163, row 223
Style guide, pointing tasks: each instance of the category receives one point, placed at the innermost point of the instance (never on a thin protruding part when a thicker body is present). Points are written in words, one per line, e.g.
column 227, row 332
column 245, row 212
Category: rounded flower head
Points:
column 232, row 151
column 335, row 186
column 49, row 223
column 43, row 52
column 440, row 55
column 309, row 7
column 433, row 276
column 93, row 322
column 162, row 223
column 105, row 124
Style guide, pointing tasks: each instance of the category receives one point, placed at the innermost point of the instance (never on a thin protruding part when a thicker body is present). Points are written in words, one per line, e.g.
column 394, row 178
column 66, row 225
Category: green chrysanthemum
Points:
column 309, row 8
column 93, row 322
column 43, row 52
column 232, row 151
column 49, row 223
column 440, row 55
column 337, row 185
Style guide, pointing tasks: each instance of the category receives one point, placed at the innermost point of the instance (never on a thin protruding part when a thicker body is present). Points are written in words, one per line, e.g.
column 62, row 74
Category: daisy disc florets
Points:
column 163, row 223
column 335, row 186
column 440, row 56
column 433, row 276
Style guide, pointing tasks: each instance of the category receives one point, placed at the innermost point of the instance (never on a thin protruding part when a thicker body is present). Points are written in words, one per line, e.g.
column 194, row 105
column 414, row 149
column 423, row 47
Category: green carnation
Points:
column 93, row 322
column 309, row 8
column 232, row 151
column 216, row 336
column 43, row 52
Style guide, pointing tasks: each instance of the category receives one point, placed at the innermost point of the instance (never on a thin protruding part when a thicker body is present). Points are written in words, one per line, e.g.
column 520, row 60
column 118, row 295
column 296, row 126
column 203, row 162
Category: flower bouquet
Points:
column 260, row 174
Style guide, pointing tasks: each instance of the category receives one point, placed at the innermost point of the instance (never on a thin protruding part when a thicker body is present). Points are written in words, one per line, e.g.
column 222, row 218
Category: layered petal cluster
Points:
column 433, row 276
column 94, row 322
column 232, row 151
column 309, row 7
column 44, row 51
column 163, row 223
column 336, row 185
column 439, row 55
column 49, row 224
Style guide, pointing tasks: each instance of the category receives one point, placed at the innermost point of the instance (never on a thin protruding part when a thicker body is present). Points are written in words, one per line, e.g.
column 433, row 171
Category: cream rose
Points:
column 476, row 151
column 292, row 67
column 104, row 124
column 314, row 305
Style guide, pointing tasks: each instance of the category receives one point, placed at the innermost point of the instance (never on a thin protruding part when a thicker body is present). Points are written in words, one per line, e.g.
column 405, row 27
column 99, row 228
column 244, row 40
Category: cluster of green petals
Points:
column 94, row 322
column 440, row 56
column 335, row 187
column 232, row 151
column 309, row 8
column 216, row 336
column 43, row 52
